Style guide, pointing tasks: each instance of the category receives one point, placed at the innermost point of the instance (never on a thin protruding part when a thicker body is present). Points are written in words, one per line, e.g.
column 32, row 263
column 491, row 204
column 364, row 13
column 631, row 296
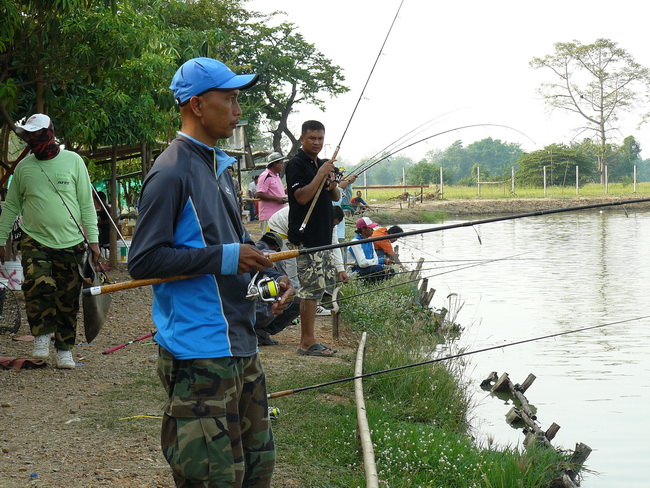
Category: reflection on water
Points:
column 565, row 272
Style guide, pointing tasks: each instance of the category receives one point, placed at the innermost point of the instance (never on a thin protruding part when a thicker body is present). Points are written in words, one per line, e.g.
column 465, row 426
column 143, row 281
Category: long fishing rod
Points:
column 368, row 166
column 336, row 151
column 282, row 255
column 446, row 358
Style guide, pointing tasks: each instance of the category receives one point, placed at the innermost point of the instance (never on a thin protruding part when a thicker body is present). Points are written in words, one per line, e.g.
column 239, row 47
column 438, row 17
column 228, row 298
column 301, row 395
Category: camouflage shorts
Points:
column 216, row 430
column 52, row 285
column 312, row 269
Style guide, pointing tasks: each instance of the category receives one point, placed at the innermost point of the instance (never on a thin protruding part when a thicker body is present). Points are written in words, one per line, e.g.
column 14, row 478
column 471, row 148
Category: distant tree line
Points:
column 496, row 159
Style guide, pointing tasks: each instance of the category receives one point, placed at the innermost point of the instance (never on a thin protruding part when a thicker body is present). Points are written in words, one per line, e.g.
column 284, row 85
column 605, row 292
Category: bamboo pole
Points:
column 363, row 430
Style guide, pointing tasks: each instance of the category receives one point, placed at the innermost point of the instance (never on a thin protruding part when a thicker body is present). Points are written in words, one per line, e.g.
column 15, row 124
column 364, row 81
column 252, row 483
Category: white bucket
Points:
column 11, row 275
column 123, row 251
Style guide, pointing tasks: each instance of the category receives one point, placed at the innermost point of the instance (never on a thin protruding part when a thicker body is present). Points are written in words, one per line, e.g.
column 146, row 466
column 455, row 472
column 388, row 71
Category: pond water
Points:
column 562, row 272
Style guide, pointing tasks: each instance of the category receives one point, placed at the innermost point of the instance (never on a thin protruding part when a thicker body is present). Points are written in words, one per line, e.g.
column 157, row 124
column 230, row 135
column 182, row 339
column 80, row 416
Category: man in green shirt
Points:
column 51, row 189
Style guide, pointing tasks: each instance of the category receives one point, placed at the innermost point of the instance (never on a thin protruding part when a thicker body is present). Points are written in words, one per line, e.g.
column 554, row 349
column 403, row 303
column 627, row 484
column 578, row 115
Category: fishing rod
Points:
column 110, row 217
column 282, row 255
column 336, row 151
column 368, row 166
column 446, row 358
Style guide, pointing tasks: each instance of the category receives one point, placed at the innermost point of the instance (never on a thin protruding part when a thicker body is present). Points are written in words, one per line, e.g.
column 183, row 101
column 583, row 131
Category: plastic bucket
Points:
column 11, row 274
column 123, row 252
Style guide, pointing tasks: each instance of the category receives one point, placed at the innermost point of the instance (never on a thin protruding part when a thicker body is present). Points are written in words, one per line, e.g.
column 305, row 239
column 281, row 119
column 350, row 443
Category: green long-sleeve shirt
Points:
column 45, row 217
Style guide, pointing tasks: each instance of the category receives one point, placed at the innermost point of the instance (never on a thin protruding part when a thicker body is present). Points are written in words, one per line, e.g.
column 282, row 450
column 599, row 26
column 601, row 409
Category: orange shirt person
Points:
column 385, row 247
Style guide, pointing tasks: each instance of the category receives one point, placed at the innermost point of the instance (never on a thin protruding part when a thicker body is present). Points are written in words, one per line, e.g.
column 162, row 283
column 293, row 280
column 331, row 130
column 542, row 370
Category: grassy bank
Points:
column 417, row 416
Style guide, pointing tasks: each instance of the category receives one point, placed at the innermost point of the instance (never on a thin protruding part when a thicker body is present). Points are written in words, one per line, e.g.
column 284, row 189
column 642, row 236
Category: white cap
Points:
column 36, row 122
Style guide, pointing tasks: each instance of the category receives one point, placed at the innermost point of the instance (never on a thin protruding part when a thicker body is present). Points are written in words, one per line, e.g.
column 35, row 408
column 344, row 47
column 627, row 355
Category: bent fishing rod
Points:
column 282, row 255
column 407, row 136
column 446, row 358
column 336, row 151
column 367, row 166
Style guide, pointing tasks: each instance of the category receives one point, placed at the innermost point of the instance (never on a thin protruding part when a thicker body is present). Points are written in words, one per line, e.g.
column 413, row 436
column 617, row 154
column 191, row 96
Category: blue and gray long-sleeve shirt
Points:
column 189, row 223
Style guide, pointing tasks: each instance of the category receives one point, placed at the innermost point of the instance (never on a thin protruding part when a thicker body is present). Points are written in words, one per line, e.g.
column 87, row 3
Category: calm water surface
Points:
column 570, row 271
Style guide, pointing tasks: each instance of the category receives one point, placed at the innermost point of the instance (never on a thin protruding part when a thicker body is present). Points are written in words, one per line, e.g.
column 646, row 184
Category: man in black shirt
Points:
column 304, row 173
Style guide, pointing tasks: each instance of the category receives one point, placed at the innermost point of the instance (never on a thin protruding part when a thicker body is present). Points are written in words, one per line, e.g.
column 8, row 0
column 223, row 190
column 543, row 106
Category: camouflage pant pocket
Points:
column 200, row 450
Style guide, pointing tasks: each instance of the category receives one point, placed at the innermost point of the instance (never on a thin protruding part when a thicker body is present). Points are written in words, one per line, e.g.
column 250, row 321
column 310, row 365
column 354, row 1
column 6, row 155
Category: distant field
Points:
column 500, row 191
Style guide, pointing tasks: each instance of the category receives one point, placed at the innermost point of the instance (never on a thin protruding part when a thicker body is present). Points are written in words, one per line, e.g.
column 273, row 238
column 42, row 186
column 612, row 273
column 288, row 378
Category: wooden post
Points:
column 551, row 431
column 527, row 382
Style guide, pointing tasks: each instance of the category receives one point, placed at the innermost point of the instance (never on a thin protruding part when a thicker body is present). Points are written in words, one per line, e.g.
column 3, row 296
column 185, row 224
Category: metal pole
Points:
column 442, row 185
column 577, row 180
column 544, row 180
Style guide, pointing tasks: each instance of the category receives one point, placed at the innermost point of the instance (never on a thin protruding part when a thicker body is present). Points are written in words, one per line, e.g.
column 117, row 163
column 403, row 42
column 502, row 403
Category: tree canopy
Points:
column 596, row 81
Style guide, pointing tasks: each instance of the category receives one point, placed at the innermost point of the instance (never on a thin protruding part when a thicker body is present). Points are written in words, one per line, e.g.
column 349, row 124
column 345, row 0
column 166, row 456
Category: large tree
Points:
column 292, row 71
column 560, row 162
column 597, row 81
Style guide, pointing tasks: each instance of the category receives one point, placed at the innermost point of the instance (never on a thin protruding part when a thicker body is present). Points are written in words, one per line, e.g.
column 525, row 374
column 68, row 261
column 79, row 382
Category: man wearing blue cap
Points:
column 215, row 430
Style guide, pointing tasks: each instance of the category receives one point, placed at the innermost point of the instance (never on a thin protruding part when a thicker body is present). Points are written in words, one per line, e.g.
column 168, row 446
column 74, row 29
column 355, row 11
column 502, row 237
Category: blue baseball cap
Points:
column 200, row 75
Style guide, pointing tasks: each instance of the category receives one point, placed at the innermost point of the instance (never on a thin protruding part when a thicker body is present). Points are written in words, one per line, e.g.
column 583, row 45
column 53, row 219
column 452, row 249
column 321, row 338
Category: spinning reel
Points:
column 338, row 174
column 265, row 289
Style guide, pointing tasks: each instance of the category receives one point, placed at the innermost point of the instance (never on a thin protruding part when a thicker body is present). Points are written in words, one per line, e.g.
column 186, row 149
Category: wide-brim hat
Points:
column 274, row 158
column 200, row 75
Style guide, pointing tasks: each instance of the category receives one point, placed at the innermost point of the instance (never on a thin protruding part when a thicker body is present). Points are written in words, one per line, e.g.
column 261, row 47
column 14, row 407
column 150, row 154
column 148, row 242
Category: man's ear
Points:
column 195, row 106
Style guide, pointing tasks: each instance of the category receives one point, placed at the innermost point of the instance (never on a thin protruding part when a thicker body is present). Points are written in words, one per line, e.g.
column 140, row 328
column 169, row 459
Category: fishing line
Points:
column 361, row 168
column 392, row 285
column 452, row 356
column 368, row 79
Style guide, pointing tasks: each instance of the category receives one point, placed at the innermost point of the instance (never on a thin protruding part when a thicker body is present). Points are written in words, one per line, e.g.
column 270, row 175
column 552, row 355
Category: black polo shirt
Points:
column 300, row 171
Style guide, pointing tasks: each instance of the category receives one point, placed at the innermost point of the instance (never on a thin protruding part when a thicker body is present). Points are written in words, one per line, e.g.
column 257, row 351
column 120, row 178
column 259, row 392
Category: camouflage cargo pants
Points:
column 52, row 285
column 216, row 431
column 316, row 272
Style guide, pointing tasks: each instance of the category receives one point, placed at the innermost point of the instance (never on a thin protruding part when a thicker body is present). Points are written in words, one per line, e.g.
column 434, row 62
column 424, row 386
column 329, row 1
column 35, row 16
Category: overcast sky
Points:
column 458, row 62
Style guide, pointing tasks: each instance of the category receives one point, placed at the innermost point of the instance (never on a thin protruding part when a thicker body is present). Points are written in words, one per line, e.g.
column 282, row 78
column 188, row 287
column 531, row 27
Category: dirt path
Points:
column 53, row 423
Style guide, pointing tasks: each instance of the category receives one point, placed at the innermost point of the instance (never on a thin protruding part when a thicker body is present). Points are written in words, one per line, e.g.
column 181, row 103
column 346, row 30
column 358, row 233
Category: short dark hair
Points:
column 338, row 213
column 396, row 229
column 312, row 125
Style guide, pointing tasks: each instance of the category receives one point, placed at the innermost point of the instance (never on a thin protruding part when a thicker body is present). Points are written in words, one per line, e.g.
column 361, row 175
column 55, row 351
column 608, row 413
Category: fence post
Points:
column 478, row 180
column 442, row 185
column 365, row 183
column 606, row 181
column 512, row 180
column 577, row 180
column 634, row 178
column 544, row 180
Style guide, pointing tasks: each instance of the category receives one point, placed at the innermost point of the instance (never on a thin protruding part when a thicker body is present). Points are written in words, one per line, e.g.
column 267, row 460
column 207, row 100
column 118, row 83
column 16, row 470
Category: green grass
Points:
column 388, row 197
column 417, row 415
